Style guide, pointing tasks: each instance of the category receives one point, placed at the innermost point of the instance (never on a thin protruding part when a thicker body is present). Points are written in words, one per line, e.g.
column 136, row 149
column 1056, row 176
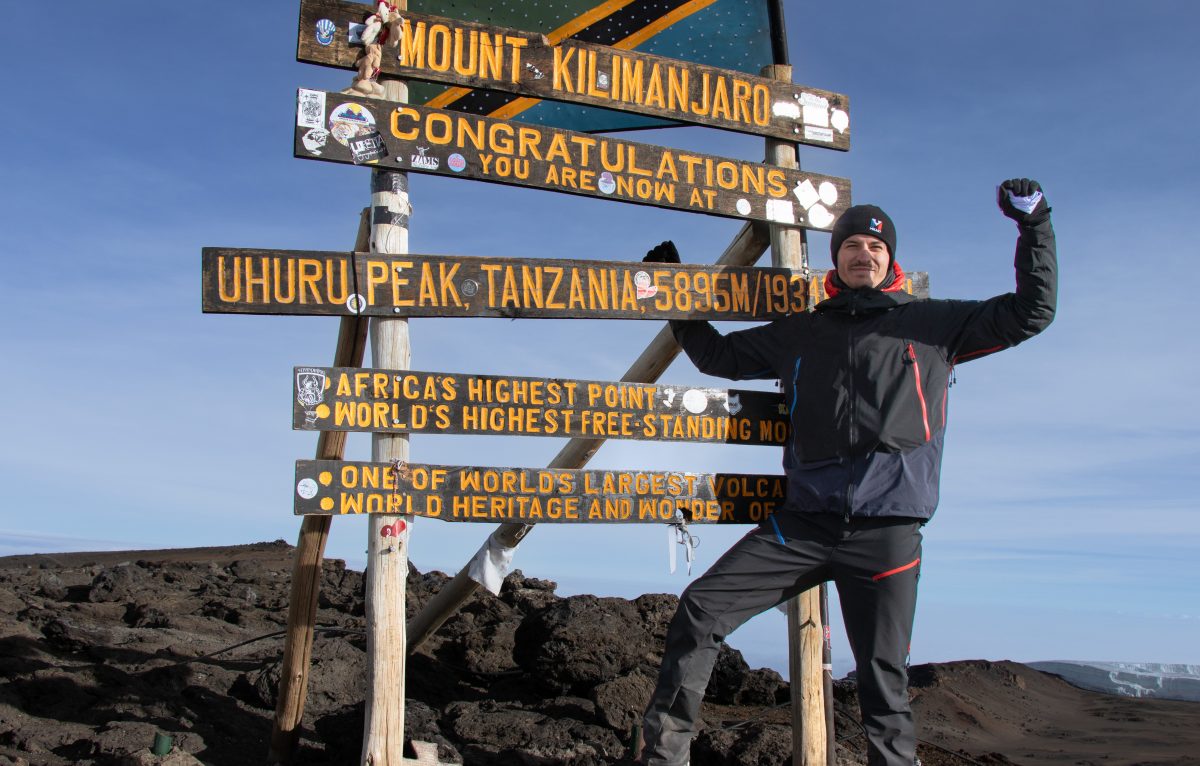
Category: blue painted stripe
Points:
column 778, row 533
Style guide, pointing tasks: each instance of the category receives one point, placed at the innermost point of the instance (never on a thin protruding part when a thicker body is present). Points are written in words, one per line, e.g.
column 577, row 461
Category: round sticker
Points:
column 456, row 162
column 306, row 488
column 820, row 217
column 694, row 401
column 606, row 183
column 350, row 120
column 828, row 192
column 314, row 140
column 469, row 287
column 325, row 30
column 743, row 206
column 356, row 303
column 641, row 279
column 839, row 120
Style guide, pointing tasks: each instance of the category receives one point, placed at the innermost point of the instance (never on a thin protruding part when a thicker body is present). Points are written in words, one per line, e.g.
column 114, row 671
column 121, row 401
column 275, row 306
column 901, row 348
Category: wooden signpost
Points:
column 389, row 285
column 352, row 399
column 534, row 495
column 337, row 127
column 511, row 61
column 315, row 283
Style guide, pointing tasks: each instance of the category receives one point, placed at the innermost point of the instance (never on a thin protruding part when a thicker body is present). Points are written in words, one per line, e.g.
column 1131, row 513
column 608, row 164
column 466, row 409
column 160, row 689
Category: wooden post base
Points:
column 426, row 756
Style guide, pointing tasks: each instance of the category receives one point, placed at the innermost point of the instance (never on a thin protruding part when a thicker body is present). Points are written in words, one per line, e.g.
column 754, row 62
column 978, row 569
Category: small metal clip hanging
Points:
column 679, row 534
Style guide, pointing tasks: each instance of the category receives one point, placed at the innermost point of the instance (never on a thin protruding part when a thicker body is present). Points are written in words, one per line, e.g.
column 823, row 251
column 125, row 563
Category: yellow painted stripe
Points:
column 650, row 30
column 513, row 108
column 583, row 21
column 447, row 97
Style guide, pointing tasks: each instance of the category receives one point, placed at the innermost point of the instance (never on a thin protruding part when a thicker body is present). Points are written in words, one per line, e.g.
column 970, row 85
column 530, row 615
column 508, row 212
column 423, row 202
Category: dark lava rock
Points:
column 621, row 702
column 582, row 641
column 497, row 734
column 51, row 586
column 733, row 683
column 99, row 656
column 119, row 583
column 755, row 743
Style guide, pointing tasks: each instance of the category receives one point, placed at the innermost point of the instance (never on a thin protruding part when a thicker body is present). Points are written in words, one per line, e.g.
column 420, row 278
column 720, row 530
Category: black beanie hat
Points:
column 864, row 219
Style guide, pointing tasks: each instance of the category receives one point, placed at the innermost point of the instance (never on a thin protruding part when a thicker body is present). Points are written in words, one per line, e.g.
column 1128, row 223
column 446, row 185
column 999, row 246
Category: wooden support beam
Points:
column 746, row 248
column 306, row 564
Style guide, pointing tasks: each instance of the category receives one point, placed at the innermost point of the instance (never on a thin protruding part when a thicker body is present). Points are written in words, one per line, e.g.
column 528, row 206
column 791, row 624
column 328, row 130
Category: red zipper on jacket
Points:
column 920, row 394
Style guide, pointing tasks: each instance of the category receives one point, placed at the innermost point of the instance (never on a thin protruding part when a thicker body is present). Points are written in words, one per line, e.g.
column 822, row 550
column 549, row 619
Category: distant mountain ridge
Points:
column 1129, row 679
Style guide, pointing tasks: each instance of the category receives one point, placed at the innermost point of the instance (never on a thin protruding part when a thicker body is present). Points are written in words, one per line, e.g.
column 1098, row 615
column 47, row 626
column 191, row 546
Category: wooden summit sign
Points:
column 533, row 495
column 336, row 127
column 472, row 55
column 246, row 281
column 352, row 399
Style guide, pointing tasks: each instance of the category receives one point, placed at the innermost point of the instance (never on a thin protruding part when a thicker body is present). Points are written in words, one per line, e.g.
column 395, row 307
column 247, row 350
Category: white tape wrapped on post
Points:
column 491, row 564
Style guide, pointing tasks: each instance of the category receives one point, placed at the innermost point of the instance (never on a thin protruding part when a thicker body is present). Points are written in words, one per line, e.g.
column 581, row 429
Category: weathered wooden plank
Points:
column 534, row 495
column 473, row 55
column 315, row 283
column 335, row 127
column 353, row 399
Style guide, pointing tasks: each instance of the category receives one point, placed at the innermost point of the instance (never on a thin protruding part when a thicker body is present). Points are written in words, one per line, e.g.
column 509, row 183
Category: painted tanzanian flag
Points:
column 731, row 34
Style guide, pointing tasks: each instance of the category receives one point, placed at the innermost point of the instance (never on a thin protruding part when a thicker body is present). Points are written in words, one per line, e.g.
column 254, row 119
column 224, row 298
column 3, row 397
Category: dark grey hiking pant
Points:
column 875, row 563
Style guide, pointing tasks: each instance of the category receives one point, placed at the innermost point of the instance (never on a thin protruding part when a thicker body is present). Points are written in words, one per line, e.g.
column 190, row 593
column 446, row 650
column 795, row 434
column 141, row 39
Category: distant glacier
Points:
column 1129, row 679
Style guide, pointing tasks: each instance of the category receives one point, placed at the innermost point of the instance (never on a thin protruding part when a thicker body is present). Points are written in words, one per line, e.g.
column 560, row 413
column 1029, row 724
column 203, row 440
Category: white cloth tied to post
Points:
column 678, row 534
column 490, row 564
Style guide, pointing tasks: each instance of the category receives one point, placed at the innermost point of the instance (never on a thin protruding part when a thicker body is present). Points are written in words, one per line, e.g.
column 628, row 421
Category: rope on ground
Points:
column 275, row 634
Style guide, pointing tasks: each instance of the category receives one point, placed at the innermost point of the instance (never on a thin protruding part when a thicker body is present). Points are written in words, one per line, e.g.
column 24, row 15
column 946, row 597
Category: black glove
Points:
column 664, row 252
column 1022, row 200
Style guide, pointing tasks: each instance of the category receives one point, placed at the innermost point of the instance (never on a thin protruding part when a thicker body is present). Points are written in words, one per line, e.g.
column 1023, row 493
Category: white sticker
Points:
column 820, row 217
column 780, row 211
column 786, row 109
column 816, row 115
column 743, row 206
column 306, row 488
column 828, row 193
column 840, row 120
column 354, row 32
column 733, row 403
column 310, row 109
column 645, row 289
column 314, row 140
column 812, row 99
column 356, row 303
column 806, row 193
column 694, row 401
column 818, row 134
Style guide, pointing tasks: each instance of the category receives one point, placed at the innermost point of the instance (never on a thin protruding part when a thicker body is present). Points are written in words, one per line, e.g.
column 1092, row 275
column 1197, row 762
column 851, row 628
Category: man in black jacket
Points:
column 865, row 377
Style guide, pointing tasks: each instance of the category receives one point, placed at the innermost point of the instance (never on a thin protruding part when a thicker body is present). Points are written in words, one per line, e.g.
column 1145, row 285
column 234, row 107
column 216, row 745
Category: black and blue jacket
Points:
column 866, row 377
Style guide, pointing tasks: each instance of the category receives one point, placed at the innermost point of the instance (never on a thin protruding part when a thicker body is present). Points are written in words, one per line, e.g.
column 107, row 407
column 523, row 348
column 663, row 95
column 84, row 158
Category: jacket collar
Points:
column 842, row 298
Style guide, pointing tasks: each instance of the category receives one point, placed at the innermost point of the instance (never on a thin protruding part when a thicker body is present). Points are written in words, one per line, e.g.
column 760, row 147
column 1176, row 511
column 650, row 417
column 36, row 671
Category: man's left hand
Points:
column 1021, row 199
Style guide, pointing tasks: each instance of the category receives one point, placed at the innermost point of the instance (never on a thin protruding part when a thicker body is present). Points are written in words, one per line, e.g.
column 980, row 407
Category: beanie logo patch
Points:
column 876, row 225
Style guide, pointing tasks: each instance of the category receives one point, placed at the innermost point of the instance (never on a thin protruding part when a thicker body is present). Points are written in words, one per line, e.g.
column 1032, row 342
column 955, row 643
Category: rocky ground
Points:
column 101, row 652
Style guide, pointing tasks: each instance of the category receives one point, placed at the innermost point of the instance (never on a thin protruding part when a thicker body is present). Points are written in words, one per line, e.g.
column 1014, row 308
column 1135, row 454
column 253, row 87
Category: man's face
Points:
column 862, row 261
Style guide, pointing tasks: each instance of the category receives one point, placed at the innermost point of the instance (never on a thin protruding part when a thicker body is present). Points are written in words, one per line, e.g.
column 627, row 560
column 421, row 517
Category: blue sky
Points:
column 1068, row 526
